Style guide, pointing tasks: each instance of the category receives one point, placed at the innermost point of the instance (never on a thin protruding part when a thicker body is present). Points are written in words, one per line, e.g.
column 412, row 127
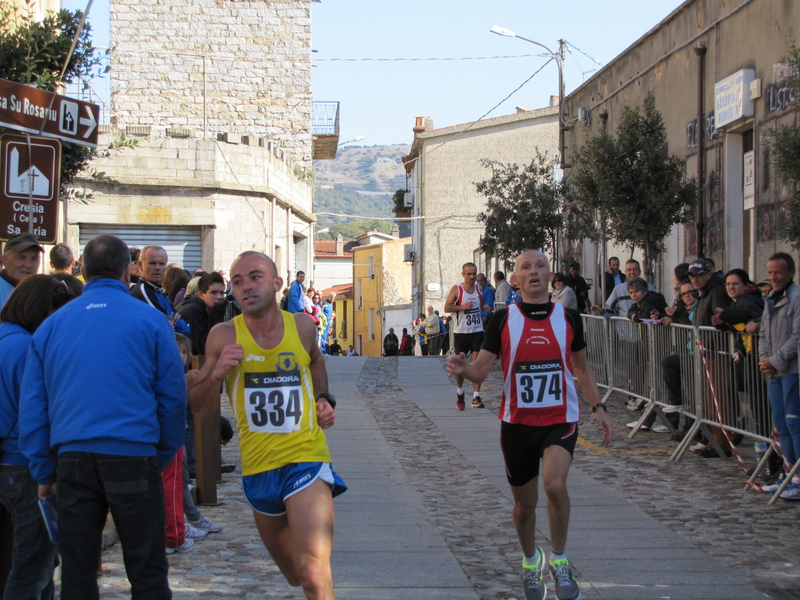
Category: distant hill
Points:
column 361, row 181
column 364, row 168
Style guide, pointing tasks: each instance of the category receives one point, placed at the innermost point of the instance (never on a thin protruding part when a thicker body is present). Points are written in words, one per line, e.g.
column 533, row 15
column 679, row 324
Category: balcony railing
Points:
column 325, row 118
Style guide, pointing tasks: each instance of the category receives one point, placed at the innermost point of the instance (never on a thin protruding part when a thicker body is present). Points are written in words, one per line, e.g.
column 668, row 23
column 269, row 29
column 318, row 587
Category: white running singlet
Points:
column 468, row 321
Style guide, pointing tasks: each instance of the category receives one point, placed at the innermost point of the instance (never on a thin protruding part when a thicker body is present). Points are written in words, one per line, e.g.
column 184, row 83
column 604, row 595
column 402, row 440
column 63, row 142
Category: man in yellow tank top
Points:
column 278, row 387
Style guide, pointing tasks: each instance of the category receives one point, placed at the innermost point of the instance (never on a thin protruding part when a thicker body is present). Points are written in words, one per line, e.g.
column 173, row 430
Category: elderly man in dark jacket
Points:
column 711, row 295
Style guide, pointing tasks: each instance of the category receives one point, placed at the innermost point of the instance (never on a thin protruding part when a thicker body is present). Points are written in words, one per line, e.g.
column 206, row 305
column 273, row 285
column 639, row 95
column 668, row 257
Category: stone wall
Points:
column 214, row 66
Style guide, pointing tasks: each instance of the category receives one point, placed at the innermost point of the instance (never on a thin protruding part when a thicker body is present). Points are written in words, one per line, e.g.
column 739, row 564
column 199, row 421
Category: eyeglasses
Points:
column 692, row 293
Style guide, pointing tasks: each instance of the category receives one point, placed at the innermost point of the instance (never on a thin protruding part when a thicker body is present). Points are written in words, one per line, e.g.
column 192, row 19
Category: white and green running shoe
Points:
column 532, row 578
column 566, row 586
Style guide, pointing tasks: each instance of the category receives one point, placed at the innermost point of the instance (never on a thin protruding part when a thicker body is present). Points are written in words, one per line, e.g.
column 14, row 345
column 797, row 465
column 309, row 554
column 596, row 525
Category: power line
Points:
column 456, row 136
column 429, row 58
column 584, row 53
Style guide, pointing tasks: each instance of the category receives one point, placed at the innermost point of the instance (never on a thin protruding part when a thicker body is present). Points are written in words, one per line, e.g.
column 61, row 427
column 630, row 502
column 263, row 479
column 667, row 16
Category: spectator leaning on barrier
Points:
column 679, row 274
column 102, row 412
column 671, row 364
column 711, row 295
column 619, row 300
column 21, row 258
column 777, row 350
column 646, row 304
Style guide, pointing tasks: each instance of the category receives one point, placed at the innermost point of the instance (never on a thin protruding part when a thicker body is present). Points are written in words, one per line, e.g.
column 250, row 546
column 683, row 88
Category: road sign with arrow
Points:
column 32, row 110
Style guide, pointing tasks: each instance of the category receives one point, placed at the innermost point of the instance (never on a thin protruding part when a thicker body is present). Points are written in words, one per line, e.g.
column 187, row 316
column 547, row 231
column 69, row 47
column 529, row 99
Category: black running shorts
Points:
column 523, row 447
column 467, row 342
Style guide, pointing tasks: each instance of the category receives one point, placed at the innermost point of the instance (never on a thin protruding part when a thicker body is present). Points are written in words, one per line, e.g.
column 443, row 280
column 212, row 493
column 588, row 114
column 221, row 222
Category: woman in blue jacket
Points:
column 33, row 559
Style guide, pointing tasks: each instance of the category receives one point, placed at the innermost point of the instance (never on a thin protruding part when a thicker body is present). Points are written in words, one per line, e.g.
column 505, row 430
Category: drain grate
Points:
column 779, row 593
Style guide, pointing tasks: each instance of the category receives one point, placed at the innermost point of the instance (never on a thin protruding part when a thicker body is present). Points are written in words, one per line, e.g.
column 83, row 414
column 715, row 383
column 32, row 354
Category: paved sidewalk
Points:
column 427, row 513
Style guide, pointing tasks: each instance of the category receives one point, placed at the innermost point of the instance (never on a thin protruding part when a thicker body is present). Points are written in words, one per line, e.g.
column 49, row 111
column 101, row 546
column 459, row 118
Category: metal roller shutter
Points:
column 183, row 244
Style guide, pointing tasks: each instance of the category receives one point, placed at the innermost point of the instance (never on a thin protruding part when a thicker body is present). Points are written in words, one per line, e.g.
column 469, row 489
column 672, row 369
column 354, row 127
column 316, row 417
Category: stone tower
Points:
column 214, row 66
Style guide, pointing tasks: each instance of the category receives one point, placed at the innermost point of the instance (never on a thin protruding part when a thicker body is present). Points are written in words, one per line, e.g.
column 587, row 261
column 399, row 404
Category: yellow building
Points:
column 381, row 281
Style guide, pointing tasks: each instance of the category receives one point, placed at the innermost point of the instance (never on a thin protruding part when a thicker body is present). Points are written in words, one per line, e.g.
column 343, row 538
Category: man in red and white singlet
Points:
column 543, row 351
column 465, row 301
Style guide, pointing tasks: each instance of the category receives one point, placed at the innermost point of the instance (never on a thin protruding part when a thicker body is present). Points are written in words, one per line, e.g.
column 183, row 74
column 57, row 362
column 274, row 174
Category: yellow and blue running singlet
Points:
column 273, row 400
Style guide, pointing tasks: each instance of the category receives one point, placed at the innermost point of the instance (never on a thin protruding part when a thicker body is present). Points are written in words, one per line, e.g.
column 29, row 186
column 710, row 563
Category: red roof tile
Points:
column 327, row 249
column 343, row 291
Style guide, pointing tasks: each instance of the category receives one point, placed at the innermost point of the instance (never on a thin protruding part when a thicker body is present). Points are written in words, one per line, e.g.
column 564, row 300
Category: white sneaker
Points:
column 698, row 447
column 792, row 492
column 194, row 533
column 632, row 424
column 660, row 428
column 186, row 546
column 672, row 408
column 206, row 525
column 773, row 487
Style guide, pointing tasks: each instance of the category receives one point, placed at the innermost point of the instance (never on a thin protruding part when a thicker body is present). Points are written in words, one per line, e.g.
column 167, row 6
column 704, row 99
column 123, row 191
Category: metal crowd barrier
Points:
column 711, row 375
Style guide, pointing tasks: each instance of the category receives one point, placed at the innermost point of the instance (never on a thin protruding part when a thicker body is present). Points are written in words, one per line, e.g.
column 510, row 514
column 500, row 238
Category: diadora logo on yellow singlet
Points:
column 286, row 362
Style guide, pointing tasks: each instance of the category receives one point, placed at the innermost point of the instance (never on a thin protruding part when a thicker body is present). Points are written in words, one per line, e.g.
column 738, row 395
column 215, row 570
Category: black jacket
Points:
column 200, row 321
column 652, row 301
column 748, row 306
column 710, row 298
column 581, row 289
column 390, row 344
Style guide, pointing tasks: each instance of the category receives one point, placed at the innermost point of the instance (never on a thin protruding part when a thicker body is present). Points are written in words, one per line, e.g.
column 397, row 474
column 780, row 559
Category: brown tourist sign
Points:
column 30, row 174
column 32, row 110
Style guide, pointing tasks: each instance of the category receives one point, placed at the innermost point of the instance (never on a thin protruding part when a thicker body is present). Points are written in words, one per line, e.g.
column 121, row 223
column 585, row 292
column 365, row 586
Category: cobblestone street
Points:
column 699, row 499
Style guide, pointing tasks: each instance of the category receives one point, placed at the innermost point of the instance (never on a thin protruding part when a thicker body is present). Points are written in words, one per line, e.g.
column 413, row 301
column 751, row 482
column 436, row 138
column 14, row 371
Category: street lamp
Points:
column 559, row 58
column 358, row 138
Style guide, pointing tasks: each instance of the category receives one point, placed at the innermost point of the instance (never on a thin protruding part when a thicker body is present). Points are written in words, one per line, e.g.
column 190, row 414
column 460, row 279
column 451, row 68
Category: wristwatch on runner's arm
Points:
column 329, row 397
column 599, row 405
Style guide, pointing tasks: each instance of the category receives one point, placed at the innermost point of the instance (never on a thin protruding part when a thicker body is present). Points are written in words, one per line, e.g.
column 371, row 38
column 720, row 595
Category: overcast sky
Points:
column 379, row 99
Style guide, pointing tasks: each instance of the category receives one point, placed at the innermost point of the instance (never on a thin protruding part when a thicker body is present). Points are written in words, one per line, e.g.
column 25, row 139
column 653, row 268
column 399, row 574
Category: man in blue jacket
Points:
column 102, row 412
column 296, row 303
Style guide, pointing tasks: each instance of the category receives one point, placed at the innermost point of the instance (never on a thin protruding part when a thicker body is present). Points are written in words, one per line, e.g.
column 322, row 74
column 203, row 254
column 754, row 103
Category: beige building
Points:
column 382, row 282
column 218, row 98
column 443, row 167
column 716, row 70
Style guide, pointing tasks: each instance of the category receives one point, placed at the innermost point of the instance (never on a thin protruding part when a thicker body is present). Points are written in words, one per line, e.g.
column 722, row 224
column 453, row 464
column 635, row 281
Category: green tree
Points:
column 34, row 53
column 522, row 210
column 785, row 146
column 630, row 179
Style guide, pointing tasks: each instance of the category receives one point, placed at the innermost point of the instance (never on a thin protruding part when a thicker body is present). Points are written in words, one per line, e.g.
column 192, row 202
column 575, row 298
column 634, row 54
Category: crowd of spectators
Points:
column 766, row 320
column 48, row 420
